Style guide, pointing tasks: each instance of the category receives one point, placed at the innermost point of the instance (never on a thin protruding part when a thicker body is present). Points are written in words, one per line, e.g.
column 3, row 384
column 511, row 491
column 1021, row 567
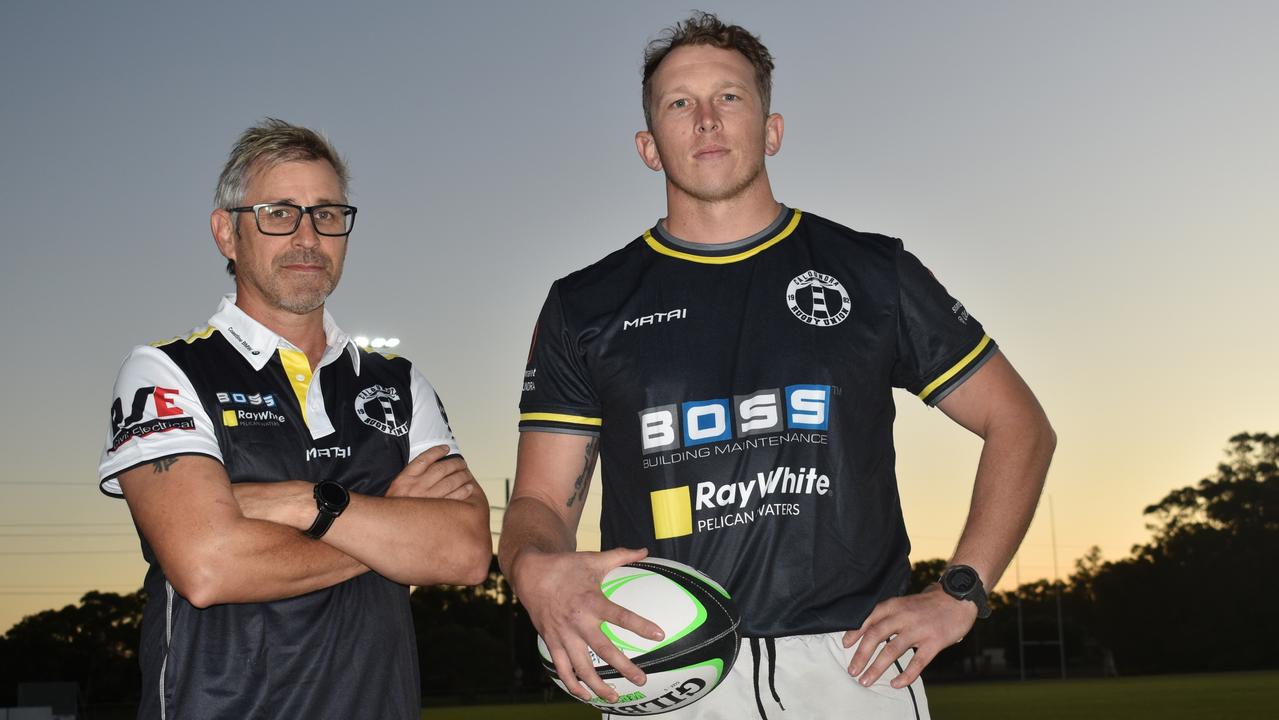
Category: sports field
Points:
column 1237, row 696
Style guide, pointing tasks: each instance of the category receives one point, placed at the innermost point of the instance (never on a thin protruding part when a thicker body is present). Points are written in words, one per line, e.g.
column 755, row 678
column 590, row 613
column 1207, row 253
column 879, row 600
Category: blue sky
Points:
column 1096, row 181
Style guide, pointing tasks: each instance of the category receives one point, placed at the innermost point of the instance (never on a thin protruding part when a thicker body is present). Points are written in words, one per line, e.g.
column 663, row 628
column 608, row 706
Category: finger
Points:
column 913, row 669
column 618, row 557
column 427, row 457
column 872, row 634
column 564, row 668
column 444, row 468
column 609, row 653
column 440, row 487
column 894, row 649
column 584, row 667
column 461, row 493
column 636, row 623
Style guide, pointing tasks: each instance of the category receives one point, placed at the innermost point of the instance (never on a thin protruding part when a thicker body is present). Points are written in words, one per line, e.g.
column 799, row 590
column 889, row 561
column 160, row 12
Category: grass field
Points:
column 1237, row 696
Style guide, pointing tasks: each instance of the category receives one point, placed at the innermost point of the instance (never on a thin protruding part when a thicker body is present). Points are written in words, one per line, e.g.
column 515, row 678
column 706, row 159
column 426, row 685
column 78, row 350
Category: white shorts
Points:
column 804, row 676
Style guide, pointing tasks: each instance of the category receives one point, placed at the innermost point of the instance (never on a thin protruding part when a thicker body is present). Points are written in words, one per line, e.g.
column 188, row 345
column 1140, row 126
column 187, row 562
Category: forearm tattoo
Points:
column 583, row 482
column 163, row 464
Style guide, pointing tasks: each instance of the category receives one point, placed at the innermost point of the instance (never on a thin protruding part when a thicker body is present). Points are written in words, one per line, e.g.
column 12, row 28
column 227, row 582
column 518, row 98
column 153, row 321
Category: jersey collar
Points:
column 257, row 343
column 721, row 254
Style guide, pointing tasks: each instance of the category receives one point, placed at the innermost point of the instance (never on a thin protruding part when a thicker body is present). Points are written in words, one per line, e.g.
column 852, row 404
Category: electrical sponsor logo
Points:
column 674, row 433
column 338, row 453
column 818, row 299
column 375, row 406
column 239, row 398
column 164, row 415
column 530, row 382
column 656, row 318
column 708, row 506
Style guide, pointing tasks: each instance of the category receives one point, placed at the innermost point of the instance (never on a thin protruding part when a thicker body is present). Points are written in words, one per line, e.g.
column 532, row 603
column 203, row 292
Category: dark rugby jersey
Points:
column 237, row 392
column 742, row 394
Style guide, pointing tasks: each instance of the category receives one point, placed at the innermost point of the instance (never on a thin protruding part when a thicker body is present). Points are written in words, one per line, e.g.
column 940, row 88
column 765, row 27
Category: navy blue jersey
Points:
column 742, row 394
column 242, row 395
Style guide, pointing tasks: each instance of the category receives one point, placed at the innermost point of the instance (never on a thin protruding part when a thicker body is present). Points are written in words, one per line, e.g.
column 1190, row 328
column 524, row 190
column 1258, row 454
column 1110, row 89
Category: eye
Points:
column 325, row 214
column 681, row 103
column 731, row 97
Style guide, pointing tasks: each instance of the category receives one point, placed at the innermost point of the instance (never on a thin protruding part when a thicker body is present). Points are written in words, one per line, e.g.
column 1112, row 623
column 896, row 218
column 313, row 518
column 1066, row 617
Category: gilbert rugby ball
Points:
column 700, row 622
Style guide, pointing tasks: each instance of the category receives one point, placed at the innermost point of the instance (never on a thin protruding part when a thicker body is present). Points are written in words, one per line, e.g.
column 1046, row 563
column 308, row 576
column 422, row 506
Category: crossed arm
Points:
column 220, row 542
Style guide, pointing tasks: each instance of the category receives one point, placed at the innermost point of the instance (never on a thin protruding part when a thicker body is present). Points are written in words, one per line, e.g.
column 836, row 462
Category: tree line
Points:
column 1199, row 596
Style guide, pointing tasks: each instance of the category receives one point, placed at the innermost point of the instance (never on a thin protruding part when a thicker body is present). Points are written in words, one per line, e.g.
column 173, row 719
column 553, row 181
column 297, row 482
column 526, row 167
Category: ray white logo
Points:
column 783, row 480
column 818, row 299
column 252, row 418
column 375, row 408
column 656, row 318
column 688, row 424
column 708, row 506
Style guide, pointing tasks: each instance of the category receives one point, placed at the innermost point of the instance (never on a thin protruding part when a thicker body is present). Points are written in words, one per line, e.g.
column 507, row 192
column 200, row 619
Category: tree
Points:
column 94, row 644
column 1200, row 595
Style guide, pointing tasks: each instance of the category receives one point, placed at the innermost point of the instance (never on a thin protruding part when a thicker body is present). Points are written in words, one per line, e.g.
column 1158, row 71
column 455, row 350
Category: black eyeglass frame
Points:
column 349, row 210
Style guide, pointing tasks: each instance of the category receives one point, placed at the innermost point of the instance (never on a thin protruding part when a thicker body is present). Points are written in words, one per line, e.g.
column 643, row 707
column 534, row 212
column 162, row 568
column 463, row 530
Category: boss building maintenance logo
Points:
column 165, row 415
column 375, row 408
column 818, row 299
column 689, row 431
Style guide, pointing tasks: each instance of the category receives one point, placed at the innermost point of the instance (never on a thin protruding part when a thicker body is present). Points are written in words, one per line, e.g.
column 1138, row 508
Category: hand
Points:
column 561, row 592
column 289, row 502
column 929, row 622
column 430, row 476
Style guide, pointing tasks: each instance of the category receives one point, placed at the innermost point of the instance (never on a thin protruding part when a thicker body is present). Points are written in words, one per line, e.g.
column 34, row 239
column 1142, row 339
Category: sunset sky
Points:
column 1097, row 182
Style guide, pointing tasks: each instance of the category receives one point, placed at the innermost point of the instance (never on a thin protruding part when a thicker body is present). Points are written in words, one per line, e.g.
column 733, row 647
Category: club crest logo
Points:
column 374, row 408
column 818, row 299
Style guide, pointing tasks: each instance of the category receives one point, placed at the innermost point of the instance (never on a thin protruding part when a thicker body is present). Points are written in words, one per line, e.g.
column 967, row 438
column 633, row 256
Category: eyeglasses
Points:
column 284, row 218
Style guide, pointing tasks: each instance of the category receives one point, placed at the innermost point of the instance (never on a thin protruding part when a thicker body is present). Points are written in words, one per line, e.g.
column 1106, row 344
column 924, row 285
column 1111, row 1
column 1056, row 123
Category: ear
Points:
column 773, row 128
column 646, row 144
column 222, row 223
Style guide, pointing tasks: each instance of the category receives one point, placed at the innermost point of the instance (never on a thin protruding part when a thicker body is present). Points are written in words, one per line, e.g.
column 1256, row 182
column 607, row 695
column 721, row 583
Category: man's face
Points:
column 294, row 272
column 709, row 132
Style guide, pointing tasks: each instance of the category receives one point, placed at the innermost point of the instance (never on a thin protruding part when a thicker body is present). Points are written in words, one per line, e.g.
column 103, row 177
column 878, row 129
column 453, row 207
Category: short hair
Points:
column 263, row 146
column 703, row 28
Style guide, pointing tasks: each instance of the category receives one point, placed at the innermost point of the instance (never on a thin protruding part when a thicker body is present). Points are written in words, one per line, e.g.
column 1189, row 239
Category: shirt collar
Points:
column 257, row 343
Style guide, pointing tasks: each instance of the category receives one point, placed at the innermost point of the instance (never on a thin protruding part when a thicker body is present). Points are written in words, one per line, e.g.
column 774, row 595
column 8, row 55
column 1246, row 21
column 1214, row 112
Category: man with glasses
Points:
column 286, row 484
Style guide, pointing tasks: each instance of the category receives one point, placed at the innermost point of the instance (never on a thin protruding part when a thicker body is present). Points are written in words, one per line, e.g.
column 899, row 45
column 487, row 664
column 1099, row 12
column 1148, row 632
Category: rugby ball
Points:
column 700, row 622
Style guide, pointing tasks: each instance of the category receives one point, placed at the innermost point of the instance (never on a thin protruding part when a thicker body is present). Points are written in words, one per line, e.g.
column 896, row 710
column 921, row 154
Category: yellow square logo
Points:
column 672, row 513
column 229, row 419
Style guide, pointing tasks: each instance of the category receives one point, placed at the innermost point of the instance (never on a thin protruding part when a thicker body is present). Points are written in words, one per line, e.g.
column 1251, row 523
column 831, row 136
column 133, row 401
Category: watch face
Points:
column 332, row 496
column 960, row 580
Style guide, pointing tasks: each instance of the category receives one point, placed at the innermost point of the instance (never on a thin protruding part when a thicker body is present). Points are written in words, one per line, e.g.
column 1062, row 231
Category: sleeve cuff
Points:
column 956, row 374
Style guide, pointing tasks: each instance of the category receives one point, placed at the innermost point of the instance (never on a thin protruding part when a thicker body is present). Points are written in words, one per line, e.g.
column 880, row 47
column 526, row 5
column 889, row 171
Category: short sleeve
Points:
column 939, row 345
column 557, row 394
column 155, row 413
column 430, row 426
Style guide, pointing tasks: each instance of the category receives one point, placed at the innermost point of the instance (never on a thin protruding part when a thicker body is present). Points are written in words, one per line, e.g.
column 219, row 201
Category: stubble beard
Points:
column 299, row 298
column 719, row 194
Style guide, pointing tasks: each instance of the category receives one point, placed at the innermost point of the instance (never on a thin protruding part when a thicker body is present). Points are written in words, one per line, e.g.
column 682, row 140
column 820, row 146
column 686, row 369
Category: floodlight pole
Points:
column 1061, row 635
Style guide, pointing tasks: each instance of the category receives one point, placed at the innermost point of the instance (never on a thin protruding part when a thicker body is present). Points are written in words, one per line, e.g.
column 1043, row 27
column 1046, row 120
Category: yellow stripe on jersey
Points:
column 724, row 259
column 298, row 368
column 956, row 369
column 557, row 417
column 199, row 335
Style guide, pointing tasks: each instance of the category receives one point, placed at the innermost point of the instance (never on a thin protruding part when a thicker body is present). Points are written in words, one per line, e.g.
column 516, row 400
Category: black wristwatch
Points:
column 962, row 583
column 330, row 500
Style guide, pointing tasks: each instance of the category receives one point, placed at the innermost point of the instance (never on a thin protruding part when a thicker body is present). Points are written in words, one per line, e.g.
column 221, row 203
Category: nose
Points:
column 305, row 235
column 707, row 120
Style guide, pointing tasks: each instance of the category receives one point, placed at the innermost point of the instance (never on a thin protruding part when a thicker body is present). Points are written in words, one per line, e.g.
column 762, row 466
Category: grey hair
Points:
column 265, row 145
